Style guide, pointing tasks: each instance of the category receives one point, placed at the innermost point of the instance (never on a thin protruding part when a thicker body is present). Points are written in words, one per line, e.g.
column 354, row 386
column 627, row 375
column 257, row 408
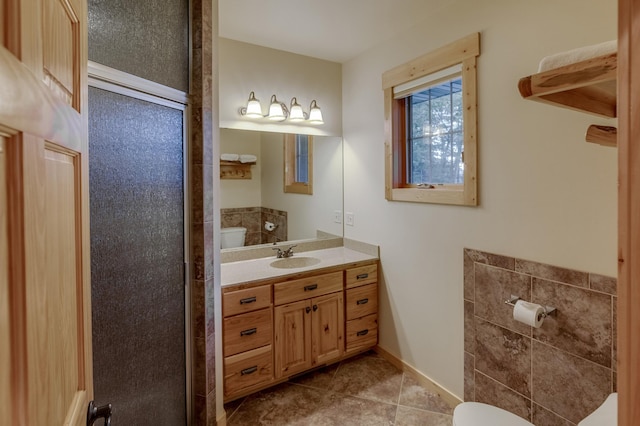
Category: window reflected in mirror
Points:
column 298, row 164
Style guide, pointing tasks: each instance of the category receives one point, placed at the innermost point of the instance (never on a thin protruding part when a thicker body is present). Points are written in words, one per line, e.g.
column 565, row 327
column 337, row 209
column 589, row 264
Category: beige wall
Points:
column 545, row 194
column 241, row 192
column 246, row 67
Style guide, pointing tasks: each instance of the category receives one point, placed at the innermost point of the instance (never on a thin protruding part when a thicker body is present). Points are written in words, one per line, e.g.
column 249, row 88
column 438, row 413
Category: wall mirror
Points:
column 257, row 196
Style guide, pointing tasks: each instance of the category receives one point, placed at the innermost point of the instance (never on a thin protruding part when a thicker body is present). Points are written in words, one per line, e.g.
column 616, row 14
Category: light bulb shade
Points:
column 315, row 115
column 276, row 111
column 296, row 113
column 254, row 109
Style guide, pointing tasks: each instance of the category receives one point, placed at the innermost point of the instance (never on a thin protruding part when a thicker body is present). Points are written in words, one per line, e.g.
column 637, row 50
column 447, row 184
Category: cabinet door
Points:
column 292, row 338
column 327, row 328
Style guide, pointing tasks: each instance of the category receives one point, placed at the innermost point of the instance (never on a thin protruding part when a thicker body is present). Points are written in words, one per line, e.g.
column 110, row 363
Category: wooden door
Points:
column 292, row 338
column 44, row 256
column 327, row 324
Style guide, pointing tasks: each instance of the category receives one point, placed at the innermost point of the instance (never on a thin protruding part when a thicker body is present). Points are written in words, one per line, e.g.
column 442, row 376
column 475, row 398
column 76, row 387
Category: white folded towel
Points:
column 247, row 158
column 576, row 55
column 229, row 157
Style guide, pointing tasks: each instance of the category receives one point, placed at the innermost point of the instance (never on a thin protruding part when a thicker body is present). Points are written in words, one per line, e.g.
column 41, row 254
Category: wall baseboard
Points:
column 222, row 419
column 425, row 381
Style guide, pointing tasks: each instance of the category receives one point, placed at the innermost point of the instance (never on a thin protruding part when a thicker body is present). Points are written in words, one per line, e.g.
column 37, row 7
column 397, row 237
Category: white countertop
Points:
column 258, row 269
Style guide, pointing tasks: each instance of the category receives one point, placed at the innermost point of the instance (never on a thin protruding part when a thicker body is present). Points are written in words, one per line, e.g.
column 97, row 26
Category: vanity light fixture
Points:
column 278, row 111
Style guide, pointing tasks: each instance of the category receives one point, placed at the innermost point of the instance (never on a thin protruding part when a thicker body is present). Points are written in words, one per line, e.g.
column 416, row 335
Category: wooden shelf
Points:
column 235, row 170
column 588, row 86
column 602, row 135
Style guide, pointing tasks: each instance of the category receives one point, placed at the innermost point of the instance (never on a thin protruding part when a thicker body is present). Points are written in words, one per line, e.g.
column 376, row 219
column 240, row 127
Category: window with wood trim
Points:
column 298, row 164
column 431, row 126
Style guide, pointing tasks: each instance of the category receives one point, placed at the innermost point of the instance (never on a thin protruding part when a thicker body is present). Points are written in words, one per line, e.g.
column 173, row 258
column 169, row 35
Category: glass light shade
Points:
column 254, row 109
column 276, row 112
column 296, row 113
column 315, row 115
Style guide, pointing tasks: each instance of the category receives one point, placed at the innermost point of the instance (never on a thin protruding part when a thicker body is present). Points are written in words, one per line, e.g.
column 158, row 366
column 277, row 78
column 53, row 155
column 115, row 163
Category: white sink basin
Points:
column 294, row 262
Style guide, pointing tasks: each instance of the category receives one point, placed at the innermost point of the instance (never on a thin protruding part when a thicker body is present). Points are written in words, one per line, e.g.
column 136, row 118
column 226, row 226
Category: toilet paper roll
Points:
column 269, row 226
column 529, row 313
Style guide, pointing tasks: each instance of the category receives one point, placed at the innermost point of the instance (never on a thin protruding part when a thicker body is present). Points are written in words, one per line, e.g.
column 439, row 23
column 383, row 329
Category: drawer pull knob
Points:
column 362, row 276
column 249, row 332
column 310, row 287
column 248, row 300
column 362, row 332
column 362, row 301
column 249, row 370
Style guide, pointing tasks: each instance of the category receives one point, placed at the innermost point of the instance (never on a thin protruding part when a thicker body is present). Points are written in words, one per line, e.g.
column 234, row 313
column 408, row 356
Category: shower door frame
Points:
column 122, row 83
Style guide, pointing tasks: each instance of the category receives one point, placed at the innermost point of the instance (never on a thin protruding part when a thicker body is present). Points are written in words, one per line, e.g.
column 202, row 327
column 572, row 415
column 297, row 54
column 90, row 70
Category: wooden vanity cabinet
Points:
column 282, row 328
column 247, row 333
column 361, row 308
column 309, row 326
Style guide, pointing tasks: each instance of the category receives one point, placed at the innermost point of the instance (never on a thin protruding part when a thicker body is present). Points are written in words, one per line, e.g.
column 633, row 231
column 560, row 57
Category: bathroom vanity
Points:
column 286, row 320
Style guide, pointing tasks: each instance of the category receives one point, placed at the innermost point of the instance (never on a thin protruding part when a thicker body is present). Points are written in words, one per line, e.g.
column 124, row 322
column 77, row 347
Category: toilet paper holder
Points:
column 548, row 310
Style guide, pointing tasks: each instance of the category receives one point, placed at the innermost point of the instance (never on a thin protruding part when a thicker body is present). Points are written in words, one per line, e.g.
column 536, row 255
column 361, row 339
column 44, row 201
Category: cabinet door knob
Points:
column 315, row 308
column 308, row 309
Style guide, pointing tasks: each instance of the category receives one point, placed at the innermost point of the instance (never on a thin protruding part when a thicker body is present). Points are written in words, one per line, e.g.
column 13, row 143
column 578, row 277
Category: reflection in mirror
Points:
column 257, row 200
column 298, row 164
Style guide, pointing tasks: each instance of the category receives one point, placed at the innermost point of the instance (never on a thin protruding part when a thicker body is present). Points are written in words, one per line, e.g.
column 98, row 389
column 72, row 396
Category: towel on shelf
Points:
column 247, row 158
column 229, row 157
column 576, row 55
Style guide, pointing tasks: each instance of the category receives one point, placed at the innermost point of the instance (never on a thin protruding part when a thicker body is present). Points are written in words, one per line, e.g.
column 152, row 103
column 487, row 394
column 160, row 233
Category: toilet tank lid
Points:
column 232, row 229
column 479, row 414
column 605, row 415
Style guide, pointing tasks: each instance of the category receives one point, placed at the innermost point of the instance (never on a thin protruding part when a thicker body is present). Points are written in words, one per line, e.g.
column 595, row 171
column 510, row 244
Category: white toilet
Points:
column 479, row 414
column 232, row 237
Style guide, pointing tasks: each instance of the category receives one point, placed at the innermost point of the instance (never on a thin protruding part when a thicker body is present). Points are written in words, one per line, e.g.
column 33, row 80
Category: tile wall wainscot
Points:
column 253, row 218
column 553, row 375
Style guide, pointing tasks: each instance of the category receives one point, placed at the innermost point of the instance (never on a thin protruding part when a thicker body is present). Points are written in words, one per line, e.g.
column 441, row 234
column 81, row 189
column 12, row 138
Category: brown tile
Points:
column 200, row 367
column 614, row 381
column 200, row 410
column 469, row 328
column 231, row 220
column 544, row 417
column 503, row 355
column 493, row 287
column 197, row 308
column 414, row 395
column 285, row 404
column 406, row 416
column 251, row 221
column 581, row 324
column 469, row 382
column 340, row 410
column 368, row 376
column 232, row 407
column 197, row 244
column 491, row 392
column 497, row 260
column 208, row 250
column 603, row 283
column 567, row 385
column 469, row 276
column 211, row 363
column 212, row 416
column 252, row 238
column 197, row 193
column 614, row 337
column 207, row 196
column 553, row 273
column 209, row 307
column 320, row 378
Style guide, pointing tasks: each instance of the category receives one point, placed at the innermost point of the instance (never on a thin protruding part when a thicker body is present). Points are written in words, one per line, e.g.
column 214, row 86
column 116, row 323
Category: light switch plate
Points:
column 337, row 216
column 349, row 218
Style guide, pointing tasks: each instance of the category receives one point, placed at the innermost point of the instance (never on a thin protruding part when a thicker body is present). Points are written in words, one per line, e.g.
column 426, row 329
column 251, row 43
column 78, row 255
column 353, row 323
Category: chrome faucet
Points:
column 284, row 253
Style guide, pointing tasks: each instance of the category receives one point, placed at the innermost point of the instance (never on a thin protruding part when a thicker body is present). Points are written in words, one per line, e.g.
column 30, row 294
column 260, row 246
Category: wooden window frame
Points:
column 465, row 52
column 290, row 184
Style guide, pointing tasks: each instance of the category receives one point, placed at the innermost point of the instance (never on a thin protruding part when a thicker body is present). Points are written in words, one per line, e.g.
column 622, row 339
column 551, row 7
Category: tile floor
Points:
column 361, row 391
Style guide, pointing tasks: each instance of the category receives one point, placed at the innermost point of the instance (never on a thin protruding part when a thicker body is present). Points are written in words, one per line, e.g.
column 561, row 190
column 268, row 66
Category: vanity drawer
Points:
column 362, row 301
column 362, row 275
column 247, row 331
column 362, row 333
column 306, row 288
column 247, row 300
column 247, row 369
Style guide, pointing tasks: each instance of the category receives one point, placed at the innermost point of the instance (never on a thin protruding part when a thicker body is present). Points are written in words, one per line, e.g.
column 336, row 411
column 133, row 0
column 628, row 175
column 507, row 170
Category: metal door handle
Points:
column 94, row 413
column 362, row 301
